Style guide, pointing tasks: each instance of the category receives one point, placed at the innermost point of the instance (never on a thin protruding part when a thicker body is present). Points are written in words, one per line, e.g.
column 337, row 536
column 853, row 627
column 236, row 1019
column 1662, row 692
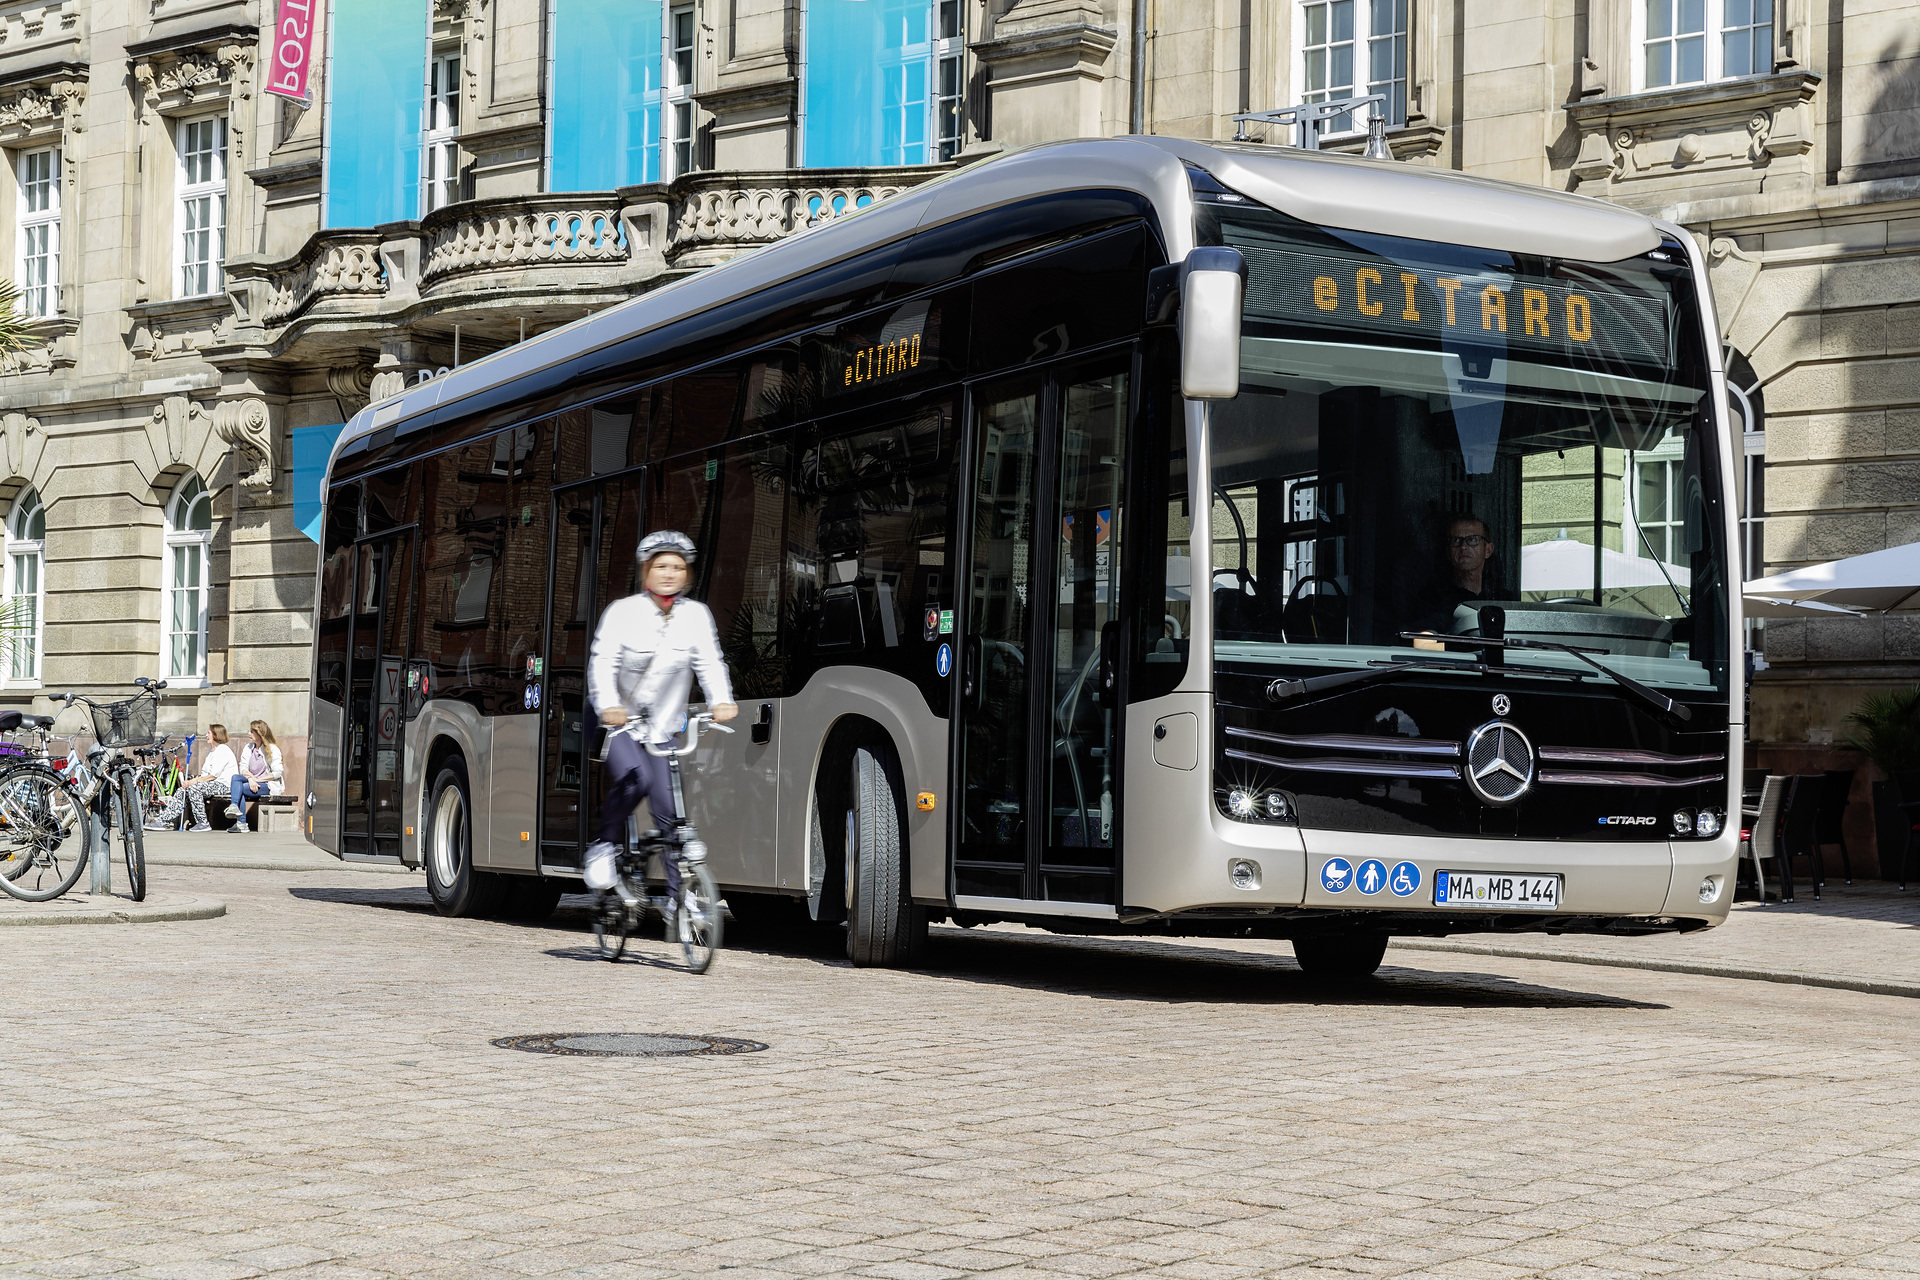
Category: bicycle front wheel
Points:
column 696, row 917
column 45, row 838
column 133, row 840
column 612, row 923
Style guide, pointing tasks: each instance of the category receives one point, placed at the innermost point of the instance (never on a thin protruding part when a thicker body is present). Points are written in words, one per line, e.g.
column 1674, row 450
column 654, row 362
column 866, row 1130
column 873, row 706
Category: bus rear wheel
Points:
column 1341, row 956
column 456, row 886
column 884, row 927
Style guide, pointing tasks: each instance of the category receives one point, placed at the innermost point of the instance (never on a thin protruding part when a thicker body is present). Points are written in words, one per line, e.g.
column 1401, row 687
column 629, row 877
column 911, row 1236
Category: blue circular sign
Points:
column 1336, row 874
column 943, row 659
column 1371, row 877
column 1404, row 879
column 526, row 698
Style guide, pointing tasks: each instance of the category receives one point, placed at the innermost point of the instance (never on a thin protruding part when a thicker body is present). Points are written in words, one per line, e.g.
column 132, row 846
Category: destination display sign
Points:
column 1531, row 317
column 878, row 357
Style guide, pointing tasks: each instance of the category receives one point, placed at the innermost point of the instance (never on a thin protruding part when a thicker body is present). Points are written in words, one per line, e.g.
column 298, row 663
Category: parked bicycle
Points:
column 45, row 838
column 691, row 906
column 163, row 770
column 109, row 775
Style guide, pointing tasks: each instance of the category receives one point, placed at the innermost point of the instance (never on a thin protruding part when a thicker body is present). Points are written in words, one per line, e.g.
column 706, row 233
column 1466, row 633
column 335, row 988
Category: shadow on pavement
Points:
column 1141, row 969
column 1170, row 972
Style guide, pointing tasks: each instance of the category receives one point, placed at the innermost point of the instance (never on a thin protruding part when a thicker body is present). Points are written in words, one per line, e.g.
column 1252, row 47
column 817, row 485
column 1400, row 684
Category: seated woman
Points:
column 215, row 777
column 261, row 773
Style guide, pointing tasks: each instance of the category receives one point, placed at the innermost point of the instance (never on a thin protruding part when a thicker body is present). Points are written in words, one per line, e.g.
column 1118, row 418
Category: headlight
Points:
column 1276, row 805
column 1707, row 824
column 1683, row 822
column 1240, row 803
column 1245, row 873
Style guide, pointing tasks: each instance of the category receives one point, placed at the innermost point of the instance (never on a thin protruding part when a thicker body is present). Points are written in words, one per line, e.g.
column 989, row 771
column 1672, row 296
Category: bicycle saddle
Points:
column 12, row 720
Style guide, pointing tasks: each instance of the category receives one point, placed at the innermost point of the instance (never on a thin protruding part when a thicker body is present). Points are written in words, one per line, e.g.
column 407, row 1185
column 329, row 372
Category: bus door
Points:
column 374, row 773
column 1039, row 723
column 596, row 527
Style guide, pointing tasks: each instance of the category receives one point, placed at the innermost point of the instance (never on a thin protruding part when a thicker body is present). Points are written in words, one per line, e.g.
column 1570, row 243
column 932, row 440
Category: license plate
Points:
column 1524, row 892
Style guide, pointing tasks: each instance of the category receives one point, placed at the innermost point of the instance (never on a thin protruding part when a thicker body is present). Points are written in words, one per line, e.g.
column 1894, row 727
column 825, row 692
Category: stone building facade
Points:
column 219, row 277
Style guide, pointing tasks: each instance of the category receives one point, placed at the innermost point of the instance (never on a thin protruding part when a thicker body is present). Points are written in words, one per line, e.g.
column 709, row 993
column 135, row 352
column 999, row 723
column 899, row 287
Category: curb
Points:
column 268, row 864
column 124, row 913
column 1837, row 982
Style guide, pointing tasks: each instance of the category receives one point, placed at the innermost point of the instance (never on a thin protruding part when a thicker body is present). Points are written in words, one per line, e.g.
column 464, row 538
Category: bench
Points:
column 275, row 813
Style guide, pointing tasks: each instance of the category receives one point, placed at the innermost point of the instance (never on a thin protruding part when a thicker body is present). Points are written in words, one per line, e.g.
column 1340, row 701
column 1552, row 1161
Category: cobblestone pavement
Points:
column 305, row 1087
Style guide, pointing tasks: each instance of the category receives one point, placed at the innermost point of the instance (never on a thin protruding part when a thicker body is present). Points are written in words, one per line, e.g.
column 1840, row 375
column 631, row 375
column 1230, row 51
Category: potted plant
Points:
column 1887, row 731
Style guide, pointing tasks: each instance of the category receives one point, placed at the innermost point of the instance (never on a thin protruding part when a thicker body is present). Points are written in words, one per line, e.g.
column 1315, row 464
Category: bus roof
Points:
column 1323, row 188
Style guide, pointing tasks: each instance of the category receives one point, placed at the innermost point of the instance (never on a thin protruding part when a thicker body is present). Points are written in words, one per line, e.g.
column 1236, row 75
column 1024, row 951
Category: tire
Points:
column 884, row 927
column 529, row 899
column 133, row 839
column 456, row 886
column 1340, row 957
column 46, row 838
column 612, row 925
column 698, row 923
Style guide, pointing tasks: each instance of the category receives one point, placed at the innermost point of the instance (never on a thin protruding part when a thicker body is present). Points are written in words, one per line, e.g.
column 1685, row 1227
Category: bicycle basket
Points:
column 126, row 724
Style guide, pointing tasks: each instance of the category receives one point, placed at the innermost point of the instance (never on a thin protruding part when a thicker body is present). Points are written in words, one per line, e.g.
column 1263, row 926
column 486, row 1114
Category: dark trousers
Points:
column 634, row 773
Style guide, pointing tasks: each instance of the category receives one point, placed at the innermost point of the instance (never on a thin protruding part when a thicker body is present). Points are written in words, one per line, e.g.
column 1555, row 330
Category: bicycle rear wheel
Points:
column 612, row 925
column 696, row 917
column 133, row 840
column 45, row 838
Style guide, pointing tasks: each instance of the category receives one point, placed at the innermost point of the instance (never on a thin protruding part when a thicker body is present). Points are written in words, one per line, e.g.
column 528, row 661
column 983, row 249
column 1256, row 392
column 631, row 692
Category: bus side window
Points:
column 518, row 622
column 336, row 593
column 868, row 543
column 697, row 411
column 733, row 505
column 464, row 504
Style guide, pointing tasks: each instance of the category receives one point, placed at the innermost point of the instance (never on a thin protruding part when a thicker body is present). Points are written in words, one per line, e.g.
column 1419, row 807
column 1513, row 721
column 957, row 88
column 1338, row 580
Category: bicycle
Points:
column 113, row 769
column 45, row 838
column 162, row 772
column 691, row 907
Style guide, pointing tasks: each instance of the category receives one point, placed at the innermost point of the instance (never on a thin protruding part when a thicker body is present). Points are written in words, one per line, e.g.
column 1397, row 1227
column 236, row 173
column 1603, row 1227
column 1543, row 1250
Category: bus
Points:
column 1130, row 536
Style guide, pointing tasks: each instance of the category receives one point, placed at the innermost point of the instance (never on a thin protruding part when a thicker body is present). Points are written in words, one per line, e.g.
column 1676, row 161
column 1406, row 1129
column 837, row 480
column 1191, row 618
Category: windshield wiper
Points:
column 1285, row 690
column 1659, row 700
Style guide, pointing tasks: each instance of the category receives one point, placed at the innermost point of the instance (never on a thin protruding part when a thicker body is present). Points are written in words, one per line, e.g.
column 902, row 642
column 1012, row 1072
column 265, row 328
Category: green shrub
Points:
column 1887, row 730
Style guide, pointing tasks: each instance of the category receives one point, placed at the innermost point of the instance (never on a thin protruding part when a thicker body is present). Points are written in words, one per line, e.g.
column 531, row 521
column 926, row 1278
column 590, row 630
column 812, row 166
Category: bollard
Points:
column 102, row 884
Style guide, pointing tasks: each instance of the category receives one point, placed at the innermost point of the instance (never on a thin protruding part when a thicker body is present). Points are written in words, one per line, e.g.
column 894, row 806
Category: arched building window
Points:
column 26, row 585
column 187, row 568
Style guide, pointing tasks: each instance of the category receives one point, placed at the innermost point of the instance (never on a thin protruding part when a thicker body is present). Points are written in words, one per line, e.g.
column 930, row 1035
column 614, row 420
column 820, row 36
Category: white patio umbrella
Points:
column 1878, row 582
column 1769, row 607
column 1566, row 565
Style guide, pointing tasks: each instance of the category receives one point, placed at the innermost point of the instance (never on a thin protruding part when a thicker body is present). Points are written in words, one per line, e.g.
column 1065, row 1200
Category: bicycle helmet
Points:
column 664, row 540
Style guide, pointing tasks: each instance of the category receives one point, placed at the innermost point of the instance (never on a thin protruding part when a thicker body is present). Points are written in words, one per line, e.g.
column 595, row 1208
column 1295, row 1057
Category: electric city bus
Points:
column 1123, row 536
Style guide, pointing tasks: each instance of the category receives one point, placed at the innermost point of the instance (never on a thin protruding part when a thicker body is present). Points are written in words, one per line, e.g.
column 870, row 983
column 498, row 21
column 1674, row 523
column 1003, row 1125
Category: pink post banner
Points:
column 288, row 71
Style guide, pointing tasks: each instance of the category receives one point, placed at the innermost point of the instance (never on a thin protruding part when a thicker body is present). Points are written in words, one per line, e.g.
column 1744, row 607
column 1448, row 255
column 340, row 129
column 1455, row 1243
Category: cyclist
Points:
column 646, row 651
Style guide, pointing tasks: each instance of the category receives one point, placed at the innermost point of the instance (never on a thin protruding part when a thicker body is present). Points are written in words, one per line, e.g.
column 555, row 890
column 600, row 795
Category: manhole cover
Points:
column 628, row 1044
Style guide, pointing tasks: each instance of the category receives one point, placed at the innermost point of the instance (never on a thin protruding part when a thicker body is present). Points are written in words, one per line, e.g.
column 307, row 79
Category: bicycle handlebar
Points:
column 693, row 734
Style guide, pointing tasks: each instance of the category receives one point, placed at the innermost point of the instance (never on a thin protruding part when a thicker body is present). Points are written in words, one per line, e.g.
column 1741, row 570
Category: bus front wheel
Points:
column 457, row 888
column 1354, row 955
column 884, row 927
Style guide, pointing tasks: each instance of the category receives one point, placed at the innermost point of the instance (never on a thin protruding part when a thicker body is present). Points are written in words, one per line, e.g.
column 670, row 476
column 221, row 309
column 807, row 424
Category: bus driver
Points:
column 645, row 654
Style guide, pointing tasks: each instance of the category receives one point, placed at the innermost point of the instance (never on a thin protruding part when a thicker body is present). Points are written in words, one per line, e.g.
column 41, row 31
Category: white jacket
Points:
column 252, row 759
column 644, row 659
column 221, row 764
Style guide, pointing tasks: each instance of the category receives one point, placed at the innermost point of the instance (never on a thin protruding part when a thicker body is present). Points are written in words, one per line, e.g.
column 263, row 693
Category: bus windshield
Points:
column 1435, row 444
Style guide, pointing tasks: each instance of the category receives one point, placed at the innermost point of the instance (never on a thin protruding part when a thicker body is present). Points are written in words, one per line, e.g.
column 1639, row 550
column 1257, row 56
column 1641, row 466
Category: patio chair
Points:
column 1763, row 831
column 1829, row 825
column 1797, row 825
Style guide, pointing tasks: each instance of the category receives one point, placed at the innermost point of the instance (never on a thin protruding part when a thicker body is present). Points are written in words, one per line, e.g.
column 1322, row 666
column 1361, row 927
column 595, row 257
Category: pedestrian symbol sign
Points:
column 1372, row 876
column 943, row 660
column 1404, row 879
column 1336, row 875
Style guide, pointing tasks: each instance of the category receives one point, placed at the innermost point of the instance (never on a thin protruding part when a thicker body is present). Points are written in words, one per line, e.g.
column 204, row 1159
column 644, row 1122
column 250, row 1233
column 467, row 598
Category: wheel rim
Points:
column 853, row 831
column 449, row 821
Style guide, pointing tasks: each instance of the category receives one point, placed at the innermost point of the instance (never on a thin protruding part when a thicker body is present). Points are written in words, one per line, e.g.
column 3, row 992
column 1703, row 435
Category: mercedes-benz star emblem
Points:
column 1499, row 763
column 1502, row 704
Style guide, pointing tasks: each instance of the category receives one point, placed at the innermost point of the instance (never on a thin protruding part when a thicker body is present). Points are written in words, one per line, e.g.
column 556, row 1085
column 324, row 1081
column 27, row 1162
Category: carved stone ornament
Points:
column 352, row 386
column 389, row 383
column 19, row 429
column 172, row 417
column 26, row 106
column 247, row 425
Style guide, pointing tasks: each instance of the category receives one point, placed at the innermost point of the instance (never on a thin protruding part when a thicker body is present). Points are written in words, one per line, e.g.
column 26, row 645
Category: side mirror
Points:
column 1213, row 285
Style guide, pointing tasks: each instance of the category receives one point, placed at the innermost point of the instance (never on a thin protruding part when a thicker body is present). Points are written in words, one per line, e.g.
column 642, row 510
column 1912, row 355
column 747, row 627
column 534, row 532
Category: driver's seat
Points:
column 1320, row 618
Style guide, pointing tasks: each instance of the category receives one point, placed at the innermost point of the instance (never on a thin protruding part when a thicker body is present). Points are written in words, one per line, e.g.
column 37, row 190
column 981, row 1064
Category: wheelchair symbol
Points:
column 1404, row 880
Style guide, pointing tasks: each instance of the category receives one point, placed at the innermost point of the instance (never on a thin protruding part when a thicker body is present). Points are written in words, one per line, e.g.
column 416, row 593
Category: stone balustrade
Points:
column 570, row 227
column 488, row 264
column 334, row 264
